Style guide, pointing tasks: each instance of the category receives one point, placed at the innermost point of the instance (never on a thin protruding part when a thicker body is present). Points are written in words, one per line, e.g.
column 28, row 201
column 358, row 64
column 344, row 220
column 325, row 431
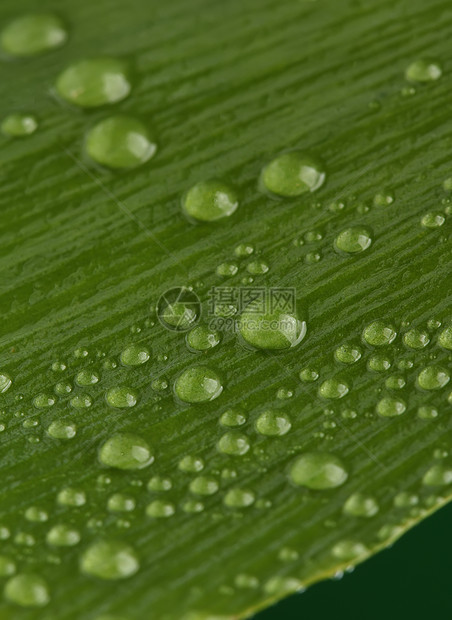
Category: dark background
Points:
column 411, row 580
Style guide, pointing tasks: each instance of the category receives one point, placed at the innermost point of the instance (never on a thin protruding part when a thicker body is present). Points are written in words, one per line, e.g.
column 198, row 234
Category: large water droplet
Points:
column 292, row 174
column 208, row 201
column 94, row 82
column 433, row 377
column 444, row 340
column 120, row 142
column 33, row 34
column 333, row 389
column 27, row 590
column 423, row 70
column 109, row 560
column 277, row 330
column 126, row 451
column 353, row 240
column 59, row 429
column 416, row 338
column 318, row 470
column 198, row 384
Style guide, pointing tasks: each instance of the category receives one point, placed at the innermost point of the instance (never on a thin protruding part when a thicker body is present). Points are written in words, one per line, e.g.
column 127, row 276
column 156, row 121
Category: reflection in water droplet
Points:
column 120, row 142
column 318, row 470
column 293, row 174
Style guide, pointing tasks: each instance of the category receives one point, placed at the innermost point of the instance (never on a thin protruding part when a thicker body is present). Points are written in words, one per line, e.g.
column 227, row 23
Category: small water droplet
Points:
column 379, row 333
column 191, row 464
column 333, row 389
column 227, row 269
column 232, row 417
column 379, row 363
column 396, row 382
column 121, row 397
column 308, row 375
column 389, row 407
column 36, row 514
column 348, row 550
column 160, row 509
column 7, row 566
column 426, row 412
column 59, row 429
column 348, row 354
column 19, row 124
column 438, row 476
column 433, row 378
column 277, row 330
column 239, row 498
column 159, row 484
column 444, row 339
column 233, row 443
column 433, row 219
column 42, row 401
column 361, row 505
column 63, row 535
column 134, row 355
column 5, row 382
column 71, row 497
column 120, row 503
column 202, row 338
column 204, row 485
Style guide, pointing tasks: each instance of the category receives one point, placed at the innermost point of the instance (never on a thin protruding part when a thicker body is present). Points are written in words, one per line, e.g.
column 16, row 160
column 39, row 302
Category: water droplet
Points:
column 243, row 250
column 159, row 484
column 280, row 586
column 208, row 201
column 18, row 125
column 308, row 375
column 24, row 539
column 275, row 330
column 198, row 384
column 433, row 378
column 239, row 498
column 7, row 566
column 5, row 382
column 62, row 388
column 233, row 443
column 36, row 514
column 121, row 397
column 318, row 470
column 416, row 339
column 191, row 464
column 203, row 485
column 59, row 429
column 434, row 219
column 286, row 554
column 348, row 550
column 379, row 363
column 384, row 198
column 438, row 476
column 126, row 451
column 86, row 377
column 348, row 354
column 405, row 500
column 134, row 355
column 33, row 34
column 353, row 240
column 396, row 382
column 94, row 82
column 361, row 505
column 333, row 389
column 27, row 590
column 71, row 497
column 293, row 174
column 63, row 536
column 272, row 423
column 426, row 412
column 202, row 338
column 246, row 581
column 42, row 401
column 227, row 269
column 109, row 560
column 379, row 333
column 120, row 142
column 120, row 503
column 390, row 407
column 81, row 401
column 232, row 417
column 159, row 509
column 423, row 70
column 444, row 340
column 257, row 267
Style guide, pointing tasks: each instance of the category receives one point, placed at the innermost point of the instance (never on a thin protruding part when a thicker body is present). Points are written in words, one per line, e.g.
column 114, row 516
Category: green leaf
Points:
column 151, row 473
